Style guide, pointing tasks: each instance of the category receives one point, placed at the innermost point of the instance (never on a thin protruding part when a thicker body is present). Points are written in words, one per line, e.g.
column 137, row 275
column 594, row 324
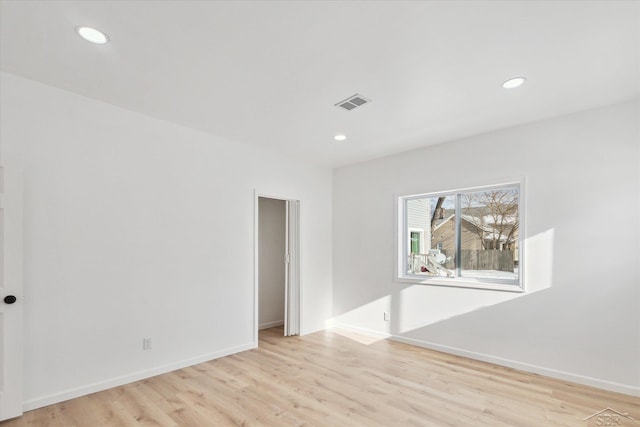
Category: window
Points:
column 415, row 242
column 468, row 238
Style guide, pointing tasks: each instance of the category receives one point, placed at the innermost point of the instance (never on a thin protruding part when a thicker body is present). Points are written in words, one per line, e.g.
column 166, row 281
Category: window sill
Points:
column 462, row 283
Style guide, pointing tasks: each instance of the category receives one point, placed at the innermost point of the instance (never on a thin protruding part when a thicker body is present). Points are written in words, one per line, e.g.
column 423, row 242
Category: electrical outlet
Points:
column 146, row 343
column 387, row 316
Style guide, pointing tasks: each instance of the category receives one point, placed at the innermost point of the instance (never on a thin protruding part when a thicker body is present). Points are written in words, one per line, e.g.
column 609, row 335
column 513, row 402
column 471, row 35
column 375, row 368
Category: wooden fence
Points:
column 483, row 260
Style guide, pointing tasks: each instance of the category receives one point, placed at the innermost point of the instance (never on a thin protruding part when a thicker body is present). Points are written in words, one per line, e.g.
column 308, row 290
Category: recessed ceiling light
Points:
column 513, row 83
column 92, row 35
column 340, row 137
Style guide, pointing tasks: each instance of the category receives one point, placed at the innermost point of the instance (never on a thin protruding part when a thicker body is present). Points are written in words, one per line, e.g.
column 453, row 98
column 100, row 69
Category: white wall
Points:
column 580, row 316
column 271, row 247
column 136, row 227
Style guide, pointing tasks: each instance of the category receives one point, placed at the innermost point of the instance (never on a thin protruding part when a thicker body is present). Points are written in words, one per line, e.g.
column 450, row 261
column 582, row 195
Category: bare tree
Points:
column 436, row 212
column 494, row 215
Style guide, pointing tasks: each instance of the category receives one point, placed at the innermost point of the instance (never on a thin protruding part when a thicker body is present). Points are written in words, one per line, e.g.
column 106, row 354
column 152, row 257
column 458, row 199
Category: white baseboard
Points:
column 270, row 324
column 140, row 375
column 527, row 367
column 549, row 372
column 40, row 402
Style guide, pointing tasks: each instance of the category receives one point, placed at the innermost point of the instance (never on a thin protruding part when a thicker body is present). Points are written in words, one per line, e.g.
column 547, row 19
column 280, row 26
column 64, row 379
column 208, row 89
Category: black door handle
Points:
column 10, row 299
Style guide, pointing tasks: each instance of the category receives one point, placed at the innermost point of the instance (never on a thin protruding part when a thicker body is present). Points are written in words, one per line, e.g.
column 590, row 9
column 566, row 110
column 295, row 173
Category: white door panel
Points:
column 10, row 287
column 292, row 286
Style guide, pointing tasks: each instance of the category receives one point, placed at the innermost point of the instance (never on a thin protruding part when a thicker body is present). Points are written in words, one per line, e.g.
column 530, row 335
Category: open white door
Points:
column 10, row 287
column 292, row 283
column 292, row 292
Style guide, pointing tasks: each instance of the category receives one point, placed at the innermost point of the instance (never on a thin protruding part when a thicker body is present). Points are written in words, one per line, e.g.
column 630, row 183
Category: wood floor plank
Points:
column 336, row 379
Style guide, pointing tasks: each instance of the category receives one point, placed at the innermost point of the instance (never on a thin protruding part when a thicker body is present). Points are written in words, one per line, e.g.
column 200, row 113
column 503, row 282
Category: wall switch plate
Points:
column 146, row 343
column 387, row 316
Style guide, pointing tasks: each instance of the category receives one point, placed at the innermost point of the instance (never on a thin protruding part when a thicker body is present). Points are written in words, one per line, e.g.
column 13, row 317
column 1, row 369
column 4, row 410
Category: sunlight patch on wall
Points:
column 417, row 306
column 368, row 318
column 539, row 261
column 410, row 307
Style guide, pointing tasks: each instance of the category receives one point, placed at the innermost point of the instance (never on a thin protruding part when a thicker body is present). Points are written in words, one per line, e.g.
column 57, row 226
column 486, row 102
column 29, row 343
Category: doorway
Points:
column 277, row 261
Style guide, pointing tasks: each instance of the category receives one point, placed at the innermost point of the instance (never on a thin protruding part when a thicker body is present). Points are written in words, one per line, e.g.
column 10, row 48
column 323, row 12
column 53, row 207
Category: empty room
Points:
column 319, row 213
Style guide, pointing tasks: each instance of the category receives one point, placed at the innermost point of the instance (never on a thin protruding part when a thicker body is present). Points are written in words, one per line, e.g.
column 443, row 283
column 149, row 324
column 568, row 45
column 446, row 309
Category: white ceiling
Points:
column 268, row 73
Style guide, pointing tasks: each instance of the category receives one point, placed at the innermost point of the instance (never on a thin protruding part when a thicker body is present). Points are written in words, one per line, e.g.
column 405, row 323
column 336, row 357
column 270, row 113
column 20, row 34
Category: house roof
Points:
column 474, row 221
column 441, row 222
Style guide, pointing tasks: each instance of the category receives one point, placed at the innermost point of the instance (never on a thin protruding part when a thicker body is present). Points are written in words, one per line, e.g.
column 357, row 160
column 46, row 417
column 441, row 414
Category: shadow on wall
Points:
column 585, row 323
column 414, row 306
column 538, row 328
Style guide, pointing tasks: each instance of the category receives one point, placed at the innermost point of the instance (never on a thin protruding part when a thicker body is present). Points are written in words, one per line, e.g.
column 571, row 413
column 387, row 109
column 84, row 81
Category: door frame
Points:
column 256, row 253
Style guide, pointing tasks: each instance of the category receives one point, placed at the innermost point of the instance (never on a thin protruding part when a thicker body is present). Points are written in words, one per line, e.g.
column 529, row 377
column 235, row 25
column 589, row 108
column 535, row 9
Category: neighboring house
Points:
column 444, row 235
column 473, row 227
column 419, row 225
column 478, row 234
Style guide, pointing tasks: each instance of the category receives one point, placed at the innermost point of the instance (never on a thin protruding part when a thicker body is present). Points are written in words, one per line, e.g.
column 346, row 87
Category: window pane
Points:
column 489, row 234
column 431, row 236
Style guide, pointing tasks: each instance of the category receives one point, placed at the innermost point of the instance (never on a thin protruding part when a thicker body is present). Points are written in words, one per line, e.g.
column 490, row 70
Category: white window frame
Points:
column 516, row 285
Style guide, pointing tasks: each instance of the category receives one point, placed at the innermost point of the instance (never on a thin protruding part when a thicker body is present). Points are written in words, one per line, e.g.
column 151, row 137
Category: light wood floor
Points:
column 331, row 379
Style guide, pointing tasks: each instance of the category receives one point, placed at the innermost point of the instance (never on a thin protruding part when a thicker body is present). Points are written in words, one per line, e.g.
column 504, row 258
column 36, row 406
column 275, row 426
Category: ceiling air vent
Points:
column 353, row 102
